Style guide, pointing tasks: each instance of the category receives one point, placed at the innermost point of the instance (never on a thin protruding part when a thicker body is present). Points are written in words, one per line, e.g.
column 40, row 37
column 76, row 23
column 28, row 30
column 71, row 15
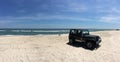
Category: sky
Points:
column 101, row 14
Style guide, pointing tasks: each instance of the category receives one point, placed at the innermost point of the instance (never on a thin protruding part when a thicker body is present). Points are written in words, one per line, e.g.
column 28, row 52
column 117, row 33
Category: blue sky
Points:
column 59, row 14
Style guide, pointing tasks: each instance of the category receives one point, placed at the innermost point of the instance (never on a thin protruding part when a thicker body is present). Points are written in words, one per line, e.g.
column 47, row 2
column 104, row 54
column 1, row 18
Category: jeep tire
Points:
column 90, row 45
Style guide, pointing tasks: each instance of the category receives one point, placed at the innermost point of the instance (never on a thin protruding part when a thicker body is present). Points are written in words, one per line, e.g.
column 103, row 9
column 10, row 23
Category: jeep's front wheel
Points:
column 90, row 45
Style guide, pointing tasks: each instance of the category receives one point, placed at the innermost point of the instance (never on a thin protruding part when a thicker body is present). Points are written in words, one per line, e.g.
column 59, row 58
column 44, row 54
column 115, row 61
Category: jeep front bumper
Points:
column 98, row 41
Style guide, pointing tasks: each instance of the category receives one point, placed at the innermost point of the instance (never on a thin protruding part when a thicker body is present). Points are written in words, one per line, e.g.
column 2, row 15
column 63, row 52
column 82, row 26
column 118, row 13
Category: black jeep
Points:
column 83, row 35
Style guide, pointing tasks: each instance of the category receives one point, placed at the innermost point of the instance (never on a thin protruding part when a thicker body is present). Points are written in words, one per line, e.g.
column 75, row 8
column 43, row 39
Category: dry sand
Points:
column 54, row 48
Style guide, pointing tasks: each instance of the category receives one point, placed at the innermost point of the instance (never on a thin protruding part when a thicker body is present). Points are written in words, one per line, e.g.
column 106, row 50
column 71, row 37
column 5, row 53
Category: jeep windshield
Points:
column 85, row 32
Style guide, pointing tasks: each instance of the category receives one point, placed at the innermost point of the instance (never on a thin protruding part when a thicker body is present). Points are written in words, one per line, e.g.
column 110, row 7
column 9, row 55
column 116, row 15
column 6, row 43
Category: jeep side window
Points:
column 85, row 32
column 73, row 32
column 79, row 32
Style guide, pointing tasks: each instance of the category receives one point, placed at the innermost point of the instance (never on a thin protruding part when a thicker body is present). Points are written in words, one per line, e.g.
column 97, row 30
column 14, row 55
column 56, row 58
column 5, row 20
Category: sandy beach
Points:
column 54, row 48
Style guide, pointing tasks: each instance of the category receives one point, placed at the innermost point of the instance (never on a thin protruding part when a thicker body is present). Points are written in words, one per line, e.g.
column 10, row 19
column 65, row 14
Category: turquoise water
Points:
column 38, row 31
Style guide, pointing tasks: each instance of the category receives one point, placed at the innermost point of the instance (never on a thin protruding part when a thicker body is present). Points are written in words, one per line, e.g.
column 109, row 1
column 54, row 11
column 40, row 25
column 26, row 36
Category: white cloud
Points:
column 69, row 5
column 4, row 23
column 45, row 17
column 110, row 19
column 75, row 7
column 111, row 10
column 116, row 10
column 21, row 11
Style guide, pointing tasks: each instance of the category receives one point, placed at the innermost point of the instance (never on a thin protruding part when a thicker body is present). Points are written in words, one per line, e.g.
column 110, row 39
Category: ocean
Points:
column 39, row 31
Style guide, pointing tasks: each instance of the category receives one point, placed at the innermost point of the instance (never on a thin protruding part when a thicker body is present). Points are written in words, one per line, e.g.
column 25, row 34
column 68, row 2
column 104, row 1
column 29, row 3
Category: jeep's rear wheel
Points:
column 90, row 45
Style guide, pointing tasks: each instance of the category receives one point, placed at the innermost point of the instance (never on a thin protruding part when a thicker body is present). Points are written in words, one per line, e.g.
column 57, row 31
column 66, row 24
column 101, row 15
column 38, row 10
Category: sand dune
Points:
column 54, row 48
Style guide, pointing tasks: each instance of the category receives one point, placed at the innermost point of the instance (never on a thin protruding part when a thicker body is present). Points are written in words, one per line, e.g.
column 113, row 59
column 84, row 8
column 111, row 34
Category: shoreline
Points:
column 52, row 34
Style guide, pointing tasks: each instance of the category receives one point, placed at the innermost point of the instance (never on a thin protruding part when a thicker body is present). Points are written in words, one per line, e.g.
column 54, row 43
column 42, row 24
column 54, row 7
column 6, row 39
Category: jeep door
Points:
column 79, row 35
